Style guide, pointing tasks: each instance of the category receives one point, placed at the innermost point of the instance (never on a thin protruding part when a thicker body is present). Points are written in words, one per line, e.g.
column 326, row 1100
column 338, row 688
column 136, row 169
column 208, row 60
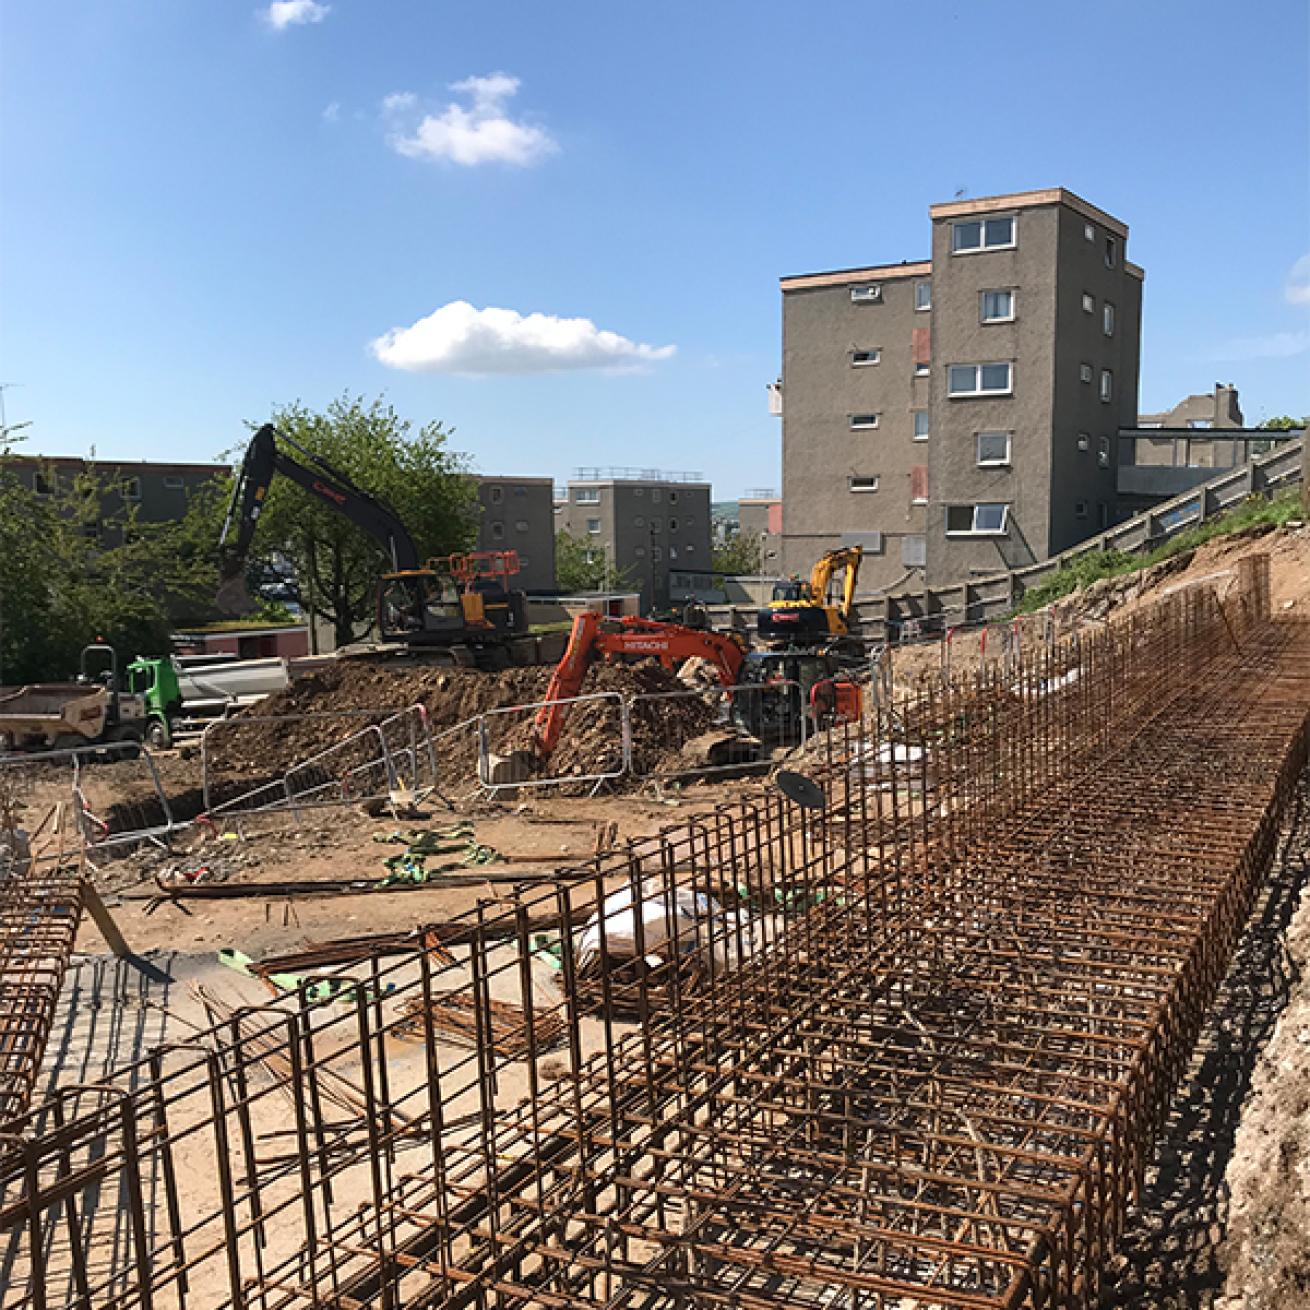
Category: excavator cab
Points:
column 800, row 614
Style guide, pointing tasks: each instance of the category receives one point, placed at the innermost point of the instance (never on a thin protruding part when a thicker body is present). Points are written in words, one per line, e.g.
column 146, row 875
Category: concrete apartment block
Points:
column 984, row 435
column 759, row 517
column 646, row 523
column 519, row 514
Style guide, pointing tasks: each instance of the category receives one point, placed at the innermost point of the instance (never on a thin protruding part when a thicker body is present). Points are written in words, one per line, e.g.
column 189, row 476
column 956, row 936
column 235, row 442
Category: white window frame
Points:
column 922, row 369
column 1089, row 231
column 1086, row 373
column 870, row 357
column 1107, row 319
column 919, row 301
column 867, row 295
column 869, row 481
column 586, row 495
column 978, row 390
column 1084, row 442
column 593, row 531
column 1089, row 303
column 864, row 422
column 976, row 531
column 1106, row 388
column 1004, row 461
column 914, row 421
column 982, row 305
column 984, row 245
column 689, row 548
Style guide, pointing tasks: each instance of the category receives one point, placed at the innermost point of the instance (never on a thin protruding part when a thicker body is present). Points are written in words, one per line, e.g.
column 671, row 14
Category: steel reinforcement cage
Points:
column 908, row 1049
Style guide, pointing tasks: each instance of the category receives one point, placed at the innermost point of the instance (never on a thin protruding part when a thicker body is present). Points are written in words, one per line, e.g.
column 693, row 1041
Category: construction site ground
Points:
column 1225, row 1219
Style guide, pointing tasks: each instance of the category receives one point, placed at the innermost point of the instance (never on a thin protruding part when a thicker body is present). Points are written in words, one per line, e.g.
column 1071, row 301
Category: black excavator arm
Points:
column 264, row 460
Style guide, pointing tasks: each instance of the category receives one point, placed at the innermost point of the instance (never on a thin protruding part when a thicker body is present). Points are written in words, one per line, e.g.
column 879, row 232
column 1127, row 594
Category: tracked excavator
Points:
column 800, row 614
column 461, row 606
column 791, row 683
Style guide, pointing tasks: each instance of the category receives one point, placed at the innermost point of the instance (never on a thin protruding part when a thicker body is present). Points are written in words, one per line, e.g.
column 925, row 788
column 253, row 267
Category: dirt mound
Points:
column 324, row 707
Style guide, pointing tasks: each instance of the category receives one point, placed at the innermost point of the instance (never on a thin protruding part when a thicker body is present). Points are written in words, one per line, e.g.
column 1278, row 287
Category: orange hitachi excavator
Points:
column 791, row 682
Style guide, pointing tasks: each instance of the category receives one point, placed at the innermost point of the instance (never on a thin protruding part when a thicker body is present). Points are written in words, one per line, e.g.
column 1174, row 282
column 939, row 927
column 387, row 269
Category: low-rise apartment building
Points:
column 646, row 523
column 959, row 414
column 519, row 514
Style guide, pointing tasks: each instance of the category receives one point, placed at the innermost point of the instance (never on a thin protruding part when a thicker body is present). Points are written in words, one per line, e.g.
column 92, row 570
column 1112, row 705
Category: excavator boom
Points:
column 594, row 637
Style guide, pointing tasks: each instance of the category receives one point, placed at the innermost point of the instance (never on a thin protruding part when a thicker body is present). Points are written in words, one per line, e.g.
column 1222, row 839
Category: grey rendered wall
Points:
column 960, row 338
column 821, row 390
column 519, row 514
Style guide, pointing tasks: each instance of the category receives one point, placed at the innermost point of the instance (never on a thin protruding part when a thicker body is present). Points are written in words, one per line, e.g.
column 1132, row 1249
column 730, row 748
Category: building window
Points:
column 520, row 525
column 657, row 525
column 986, row 520
column 673, row 525
column 689, row 523
column 863, row 358
column 983, row 234
column 1080, row 509
column 520, row 491
column 997, row 307
column 1103, row 452
column 498, row 530
column 1107, row 319
column 922, row 368
column 593, row 527
column 44, row 484
column 1089, row 303
column 1200, row 423
column 1111, row 252
column 673, row 497
column 655, row 495
column 921, row 425
column 173, row 482
column 689, row 549
column 1107, row 385
column 866, row 295
column 497, row 494
column 524, row 561
column 639, row 552
column 863, row 482
column 1085, row 372
column 1089, row 231
column 979, row 379
column 638, row 521
column 131, row 488
column 673, row 552
column 586, row 495
column 993, row 449
column 859, row 421
column 657, row 554
column 1084, row 442
column 923, row 295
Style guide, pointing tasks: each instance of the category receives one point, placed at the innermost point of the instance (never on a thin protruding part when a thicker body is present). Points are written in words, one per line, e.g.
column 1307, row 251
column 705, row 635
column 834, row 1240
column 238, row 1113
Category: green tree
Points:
column 1284, row 423
column 580, row 566
column 739, row 556
column 308, row 554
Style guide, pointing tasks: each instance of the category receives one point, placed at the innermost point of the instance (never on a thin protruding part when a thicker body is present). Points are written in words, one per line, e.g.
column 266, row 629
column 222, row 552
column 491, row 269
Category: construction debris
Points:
column 500, row 1024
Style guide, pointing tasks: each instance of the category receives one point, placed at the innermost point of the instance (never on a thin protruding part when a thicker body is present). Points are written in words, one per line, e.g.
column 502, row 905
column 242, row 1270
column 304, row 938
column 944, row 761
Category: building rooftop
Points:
column 615, row 473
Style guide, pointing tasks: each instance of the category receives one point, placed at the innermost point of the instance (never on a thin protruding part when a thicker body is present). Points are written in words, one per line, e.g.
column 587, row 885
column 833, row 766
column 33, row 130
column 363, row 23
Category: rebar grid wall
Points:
column 910, row 1050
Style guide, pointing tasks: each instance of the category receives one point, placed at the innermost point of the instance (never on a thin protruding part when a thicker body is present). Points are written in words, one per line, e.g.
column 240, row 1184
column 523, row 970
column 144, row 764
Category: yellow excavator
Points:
column 800, row 614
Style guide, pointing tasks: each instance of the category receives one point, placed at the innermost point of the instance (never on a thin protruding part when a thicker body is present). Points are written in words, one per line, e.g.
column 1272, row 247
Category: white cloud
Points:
column 332, row 112
column 282, row 14
column 1274, row 345
column 459, row 338
column 1297, row 290
column 479, row 132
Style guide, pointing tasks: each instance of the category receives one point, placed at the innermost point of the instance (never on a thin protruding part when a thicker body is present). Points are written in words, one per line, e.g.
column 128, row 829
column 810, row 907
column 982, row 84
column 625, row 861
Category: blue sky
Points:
column 211, row 208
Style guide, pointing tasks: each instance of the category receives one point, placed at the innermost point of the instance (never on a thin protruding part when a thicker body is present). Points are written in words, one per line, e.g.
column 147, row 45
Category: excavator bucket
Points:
column 233, row 596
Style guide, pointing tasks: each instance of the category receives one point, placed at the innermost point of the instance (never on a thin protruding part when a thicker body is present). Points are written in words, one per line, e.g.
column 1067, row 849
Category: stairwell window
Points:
column 1085, row 372
column 1089, row 303
column 980, row 379
column 1080, row 509
column 593, row 527
column 1084, row 442
column 863, row 482
column 983, row 520
column 1107, row 319
column 923, row 295
column 1103, row 452
column 996, row 307
column 1107, row 385
column 864, row 358
column 921, row 425
column 976, row 234
column 861, row 422
column 1111, row 252
column 993, row 449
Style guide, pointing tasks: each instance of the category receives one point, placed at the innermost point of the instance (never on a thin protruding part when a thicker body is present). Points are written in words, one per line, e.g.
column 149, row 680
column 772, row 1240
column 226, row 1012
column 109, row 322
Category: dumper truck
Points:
column 95, row 709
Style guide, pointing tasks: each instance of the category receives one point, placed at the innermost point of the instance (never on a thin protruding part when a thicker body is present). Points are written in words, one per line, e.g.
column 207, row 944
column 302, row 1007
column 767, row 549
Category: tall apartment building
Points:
column 959, row 415
column 646, row 523
column 519, row 514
